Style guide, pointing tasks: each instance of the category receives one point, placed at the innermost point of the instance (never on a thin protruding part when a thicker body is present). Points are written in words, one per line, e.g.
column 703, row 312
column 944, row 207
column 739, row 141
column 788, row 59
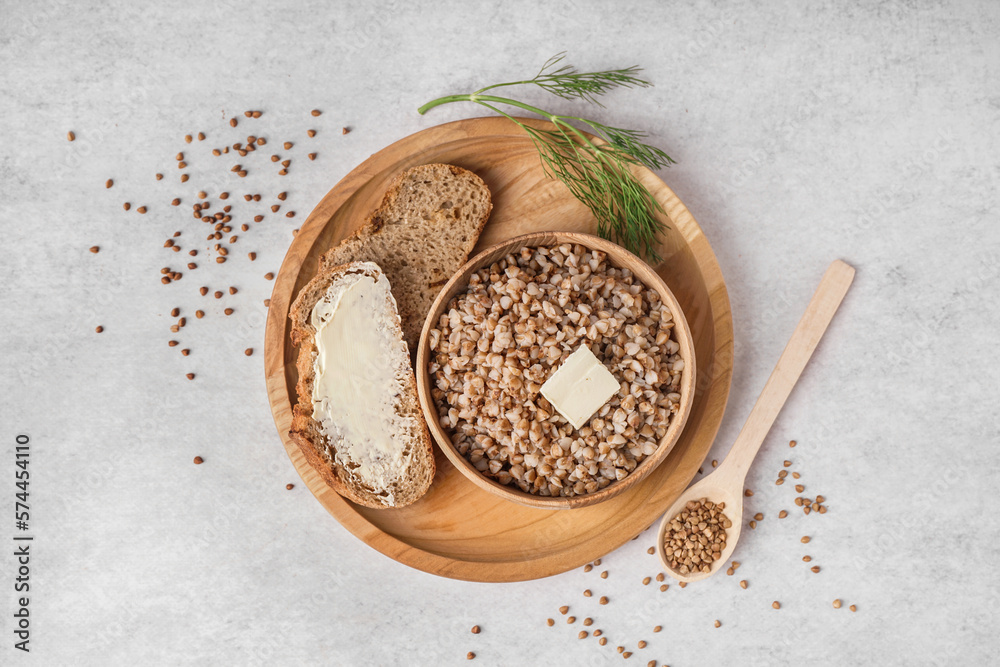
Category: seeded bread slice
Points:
column 420, row 235
column 404, row 483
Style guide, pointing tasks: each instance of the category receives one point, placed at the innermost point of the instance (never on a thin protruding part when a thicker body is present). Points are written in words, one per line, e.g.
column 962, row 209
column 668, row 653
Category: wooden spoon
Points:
column 725, row 483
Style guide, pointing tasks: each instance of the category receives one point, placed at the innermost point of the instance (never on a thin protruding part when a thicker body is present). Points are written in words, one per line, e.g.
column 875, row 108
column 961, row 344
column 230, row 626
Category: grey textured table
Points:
column 804, row 132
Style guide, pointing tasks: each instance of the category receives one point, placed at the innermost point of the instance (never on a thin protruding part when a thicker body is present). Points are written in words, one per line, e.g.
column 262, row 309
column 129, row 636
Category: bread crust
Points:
column 306, row 432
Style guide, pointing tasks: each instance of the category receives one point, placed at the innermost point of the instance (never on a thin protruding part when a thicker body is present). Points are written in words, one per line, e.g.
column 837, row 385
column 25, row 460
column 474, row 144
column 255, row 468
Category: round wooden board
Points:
column 458, row 530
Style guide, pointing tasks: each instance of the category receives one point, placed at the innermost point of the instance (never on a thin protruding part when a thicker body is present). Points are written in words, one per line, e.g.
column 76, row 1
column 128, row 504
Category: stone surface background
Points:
column 804, row 132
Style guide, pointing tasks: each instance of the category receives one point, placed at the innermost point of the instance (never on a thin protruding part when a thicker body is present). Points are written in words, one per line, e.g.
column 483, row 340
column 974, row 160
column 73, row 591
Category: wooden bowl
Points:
column 617, row 256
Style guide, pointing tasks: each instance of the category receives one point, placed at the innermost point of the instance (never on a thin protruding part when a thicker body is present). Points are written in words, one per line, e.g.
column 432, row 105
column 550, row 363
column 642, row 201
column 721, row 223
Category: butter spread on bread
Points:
column 354, row 367
column 358, row 420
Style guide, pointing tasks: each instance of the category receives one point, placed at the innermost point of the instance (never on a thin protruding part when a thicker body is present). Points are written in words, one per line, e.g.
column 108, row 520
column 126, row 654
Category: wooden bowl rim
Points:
column 621, row 258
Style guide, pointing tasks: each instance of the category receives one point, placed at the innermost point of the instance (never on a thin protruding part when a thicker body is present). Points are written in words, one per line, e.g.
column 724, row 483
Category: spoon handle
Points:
column 804, row 340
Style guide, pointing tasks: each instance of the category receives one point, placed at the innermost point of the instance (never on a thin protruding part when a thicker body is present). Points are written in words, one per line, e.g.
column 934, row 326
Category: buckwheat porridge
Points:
column 502, row 338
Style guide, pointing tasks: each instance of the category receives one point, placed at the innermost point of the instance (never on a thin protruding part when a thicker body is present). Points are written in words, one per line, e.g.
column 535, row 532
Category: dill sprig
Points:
column 569, row 83
column 598, row 173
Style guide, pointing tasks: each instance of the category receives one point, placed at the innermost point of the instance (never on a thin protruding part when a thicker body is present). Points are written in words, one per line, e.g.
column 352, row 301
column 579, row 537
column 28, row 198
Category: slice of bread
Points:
column 374, row 447
column 420, row 235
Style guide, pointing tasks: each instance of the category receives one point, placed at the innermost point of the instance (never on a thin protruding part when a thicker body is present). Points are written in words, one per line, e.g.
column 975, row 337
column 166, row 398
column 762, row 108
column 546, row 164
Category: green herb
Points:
column 598, row 173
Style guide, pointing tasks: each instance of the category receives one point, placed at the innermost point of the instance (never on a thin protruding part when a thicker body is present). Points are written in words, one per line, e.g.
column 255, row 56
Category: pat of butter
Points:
column 580, row 387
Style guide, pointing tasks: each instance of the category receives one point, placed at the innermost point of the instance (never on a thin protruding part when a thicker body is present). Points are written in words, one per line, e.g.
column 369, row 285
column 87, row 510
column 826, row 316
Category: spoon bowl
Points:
column 725, row 483
column 717, row 488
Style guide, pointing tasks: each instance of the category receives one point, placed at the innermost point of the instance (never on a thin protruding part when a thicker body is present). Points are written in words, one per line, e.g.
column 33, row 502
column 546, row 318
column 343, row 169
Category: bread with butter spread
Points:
column 358, row 421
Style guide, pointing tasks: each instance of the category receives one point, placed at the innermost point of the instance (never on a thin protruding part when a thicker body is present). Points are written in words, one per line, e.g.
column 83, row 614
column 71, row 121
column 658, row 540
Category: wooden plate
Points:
column 459, row 530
